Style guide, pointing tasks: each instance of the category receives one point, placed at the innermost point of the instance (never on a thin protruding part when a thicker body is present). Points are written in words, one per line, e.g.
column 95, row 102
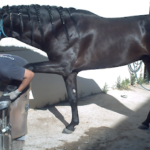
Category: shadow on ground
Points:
column 103, row 100
column 125, row 135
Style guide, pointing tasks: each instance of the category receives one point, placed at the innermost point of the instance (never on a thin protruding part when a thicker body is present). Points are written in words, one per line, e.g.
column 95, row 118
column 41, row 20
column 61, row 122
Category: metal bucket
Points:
column 13, row 118
column 5, row 127
column 18, row 112
column 5, row 142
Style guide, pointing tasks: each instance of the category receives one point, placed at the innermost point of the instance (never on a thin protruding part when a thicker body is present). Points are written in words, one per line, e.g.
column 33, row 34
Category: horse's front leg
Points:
column 70, row 81
column 71, row 85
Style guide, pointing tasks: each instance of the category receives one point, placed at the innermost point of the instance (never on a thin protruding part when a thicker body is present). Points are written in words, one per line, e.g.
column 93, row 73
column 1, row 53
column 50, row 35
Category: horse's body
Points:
column 77, row 40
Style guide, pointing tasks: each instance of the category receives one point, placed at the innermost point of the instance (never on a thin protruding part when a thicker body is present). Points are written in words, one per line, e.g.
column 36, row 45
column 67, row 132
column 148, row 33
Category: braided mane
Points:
column 28, row 10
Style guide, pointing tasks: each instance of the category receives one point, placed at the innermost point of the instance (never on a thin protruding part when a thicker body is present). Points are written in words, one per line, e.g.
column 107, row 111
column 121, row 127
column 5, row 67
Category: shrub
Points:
column 125, row 84
column 105, row 88
column 141, row 79
column 118, row 83
column 122, row 85
column 132, row 78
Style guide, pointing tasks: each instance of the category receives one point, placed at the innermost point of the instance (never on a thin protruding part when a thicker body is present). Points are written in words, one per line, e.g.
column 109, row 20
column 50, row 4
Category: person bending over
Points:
column 11, row 68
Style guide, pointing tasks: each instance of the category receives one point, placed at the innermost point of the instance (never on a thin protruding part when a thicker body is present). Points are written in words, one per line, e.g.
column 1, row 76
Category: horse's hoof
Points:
column 66, row 131
column 143, row 127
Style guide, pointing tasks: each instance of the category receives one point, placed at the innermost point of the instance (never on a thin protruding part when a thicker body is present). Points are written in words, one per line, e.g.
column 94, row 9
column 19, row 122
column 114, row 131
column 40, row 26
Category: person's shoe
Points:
column 143, row 127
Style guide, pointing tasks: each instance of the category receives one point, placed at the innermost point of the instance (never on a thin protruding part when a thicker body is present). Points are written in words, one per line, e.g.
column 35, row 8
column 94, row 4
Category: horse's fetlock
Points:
column 75, row 122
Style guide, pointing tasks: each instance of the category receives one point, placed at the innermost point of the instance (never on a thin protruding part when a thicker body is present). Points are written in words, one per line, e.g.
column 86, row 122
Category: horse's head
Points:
column 6, row 19
column 3, row 15
column 4, row 12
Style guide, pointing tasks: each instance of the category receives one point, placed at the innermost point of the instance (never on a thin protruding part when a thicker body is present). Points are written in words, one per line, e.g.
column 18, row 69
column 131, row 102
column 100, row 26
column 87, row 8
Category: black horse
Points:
column 77, row 40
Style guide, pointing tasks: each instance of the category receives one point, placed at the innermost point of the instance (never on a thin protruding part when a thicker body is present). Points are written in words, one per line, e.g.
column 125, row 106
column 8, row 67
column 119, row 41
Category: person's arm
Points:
column 28, row 76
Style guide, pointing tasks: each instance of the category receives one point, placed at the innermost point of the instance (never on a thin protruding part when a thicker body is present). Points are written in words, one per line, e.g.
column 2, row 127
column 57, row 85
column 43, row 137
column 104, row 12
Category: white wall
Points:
column 89, row 81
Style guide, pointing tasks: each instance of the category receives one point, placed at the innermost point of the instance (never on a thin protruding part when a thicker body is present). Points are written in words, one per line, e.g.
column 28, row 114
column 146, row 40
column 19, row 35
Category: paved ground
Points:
column 107, row 122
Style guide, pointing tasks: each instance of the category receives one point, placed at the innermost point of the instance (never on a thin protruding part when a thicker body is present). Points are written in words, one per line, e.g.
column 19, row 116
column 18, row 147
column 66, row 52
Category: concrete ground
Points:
column 107, row 122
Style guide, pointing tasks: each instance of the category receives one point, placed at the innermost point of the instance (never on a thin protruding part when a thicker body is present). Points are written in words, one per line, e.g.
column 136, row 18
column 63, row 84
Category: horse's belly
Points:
column 100, row 60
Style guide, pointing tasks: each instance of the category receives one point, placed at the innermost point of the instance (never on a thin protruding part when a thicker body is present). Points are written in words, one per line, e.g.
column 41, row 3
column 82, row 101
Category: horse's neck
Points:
column 29, row 36
column 35, row 31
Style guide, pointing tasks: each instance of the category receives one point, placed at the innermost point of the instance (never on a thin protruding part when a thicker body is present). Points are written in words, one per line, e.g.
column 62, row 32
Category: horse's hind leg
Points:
column 145, row 124
column 71, row 85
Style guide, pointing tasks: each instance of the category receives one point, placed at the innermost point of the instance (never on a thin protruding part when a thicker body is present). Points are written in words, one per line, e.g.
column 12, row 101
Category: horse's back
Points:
column 112, row 42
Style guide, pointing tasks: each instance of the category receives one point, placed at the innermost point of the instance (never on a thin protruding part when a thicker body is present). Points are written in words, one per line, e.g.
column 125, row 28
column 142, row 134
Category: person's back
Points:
column 11, row 67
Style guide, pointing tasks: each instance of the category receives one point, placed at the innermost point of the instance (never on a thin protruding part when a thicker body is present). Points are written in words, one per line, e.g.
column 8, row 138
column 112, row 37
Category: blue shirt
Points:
column 11, row 67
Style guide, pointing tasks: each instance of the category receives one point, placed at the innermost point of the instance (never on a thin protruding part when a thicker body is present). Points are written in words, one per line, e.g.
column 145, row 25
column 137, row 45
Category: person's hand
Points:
column 13, row 95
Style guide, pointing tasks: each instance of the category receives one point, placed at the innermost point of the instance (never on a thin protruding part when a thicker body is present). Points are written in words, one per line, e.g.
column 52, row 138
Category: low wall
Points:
column 49, row 88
